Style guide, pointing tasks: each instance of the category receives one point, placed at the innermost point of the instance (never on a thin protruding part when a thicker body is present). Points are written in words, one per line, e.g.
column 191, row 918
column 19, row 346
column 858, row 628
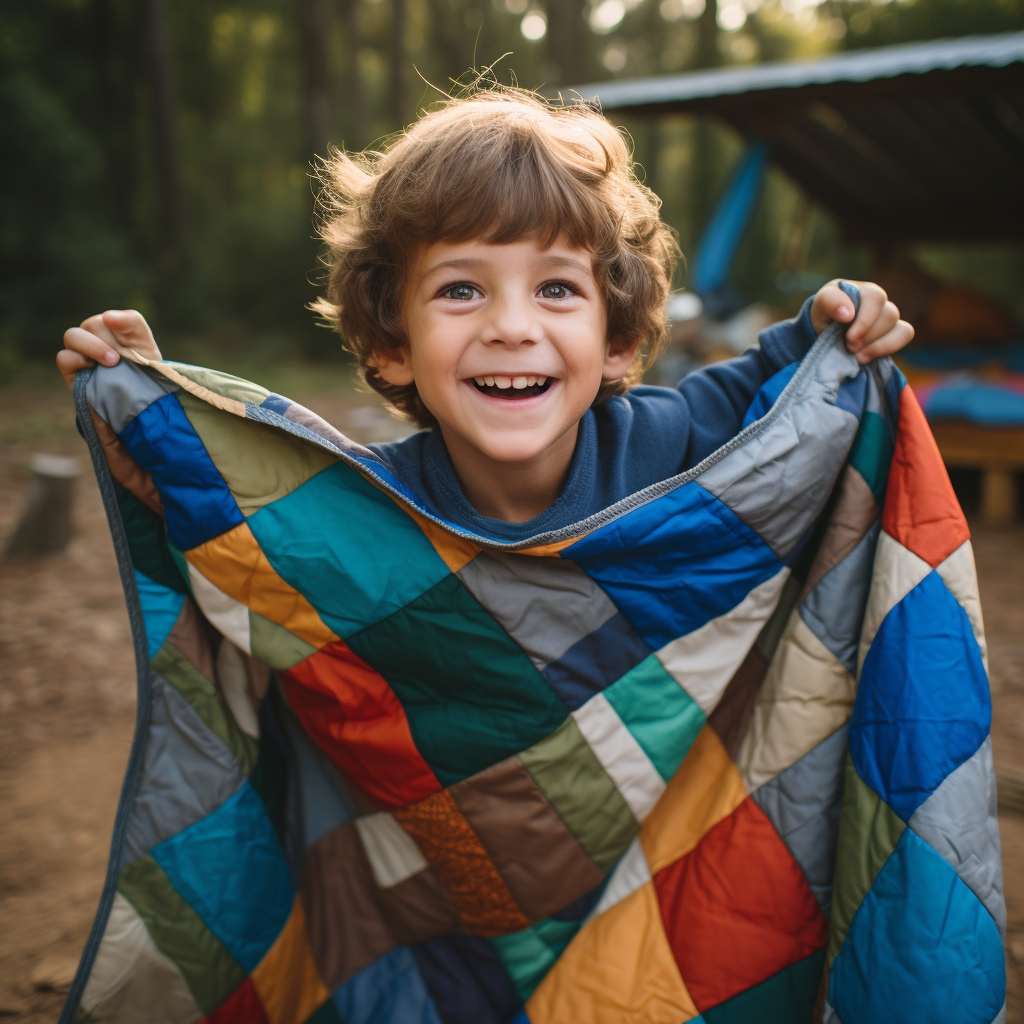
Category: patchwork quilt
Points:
column 718, row 754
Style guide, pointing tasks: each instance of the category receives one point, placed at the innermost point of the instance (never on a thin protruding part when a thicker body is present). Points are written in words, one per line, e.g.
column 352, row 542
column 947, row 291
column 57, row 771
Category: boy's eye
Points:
column 460, row 292
column 556, row 290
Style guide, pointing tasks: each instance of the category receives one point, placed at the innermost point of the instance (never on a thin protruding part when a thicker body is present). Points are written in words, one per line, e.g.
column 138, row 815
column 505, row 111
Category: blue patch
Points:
column 389, row 991
column 198, row 505
column 466, row 980
column 595, row 662
column 230, row 868
column 768, row 393
column 675, row 563
column 977, row 403
column 852, row 393
column 921, row 948
column 923, row 704
column 161, row 607
column 316, row 540
column 276, row 403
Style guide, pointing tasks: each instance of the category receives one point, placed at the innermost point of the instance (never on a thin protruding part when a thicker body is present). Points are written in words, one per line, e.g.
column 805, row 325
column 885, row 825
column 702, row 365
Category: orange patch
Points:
column 462, row 864
column 921, row 510
column 455, row 551
column 287, row 980
column 619, row 967
column 235, row 563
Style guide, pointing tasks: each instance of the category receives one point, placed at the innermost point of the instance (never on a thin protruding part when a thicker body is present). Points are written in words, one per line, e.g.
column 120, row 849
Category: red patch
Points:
column 921, row 510
column 244, row 1007
column 356, row 719
column 737, row 908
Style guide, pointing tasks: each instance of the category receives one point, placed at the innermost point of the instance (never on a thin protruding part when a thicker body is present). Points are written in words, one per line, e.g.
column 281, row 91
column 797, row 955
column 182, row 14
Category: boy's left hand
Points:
column 877, row 329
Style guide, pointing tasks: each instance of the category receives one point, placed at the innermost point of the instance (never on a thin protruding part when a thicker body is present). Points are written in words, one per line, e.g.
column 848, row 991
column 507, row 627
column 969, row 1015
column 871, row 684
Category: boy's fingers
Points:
column 888, row 317
column 95, row 325
column 831, row 303
column 129, row 329
column 69, row 363
column 872, row 302
column 87, row 344
column 889, row 343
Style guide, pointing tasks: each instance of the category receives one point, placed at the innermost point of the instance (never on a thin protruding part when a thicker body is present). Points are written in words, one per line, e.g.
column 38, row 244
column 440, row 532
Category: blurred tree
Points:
column 314, row 36
column 568, row 43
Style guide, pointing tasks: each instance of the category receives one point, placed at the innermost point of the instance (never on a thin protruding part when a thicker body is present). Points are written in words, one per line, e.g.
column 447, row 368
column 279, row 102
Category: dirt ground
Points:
column 67, row 707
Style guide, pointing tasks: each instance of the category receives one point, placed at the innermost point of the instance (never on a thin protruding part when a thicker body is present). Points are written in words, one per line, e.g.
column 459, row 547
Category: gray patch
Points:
column 1000, row 1017
column 778, row 482
column 187, row 773
column 959, row 822
column 119, row 393
column 545, row 604
column 804, row 803
column 834, row 609
column 829, row 1016
column 324, row 800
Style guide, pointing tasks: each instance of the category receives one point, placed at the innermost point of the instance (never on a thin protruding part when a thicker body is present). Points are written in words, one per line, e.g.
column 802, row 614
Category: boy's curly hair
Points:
column 499, row 165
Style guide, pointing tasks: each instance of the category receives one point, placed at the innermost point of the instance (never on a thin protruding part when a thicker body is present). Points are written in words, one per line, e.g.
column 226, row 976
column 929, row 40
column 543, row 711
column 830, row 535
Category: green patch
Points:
column 274, row 645
column 270, row 779
column 471, row 695
column 868, row 833
column 259, row 463
column 326, row 1013
column 147, row 541
column 583, row 794
column 785, row 998
column 771, row 633
column 207, row 702
column 663, row 718
column 209, row 970
column 529, row 954
column 871, row 454
column 179, row 561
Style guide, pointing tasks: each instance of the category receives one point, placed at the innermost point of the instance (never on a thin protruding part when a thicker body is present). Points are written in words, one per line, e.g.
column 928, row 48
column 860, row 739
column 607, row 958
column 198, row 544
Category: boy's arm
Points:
column 719, row 396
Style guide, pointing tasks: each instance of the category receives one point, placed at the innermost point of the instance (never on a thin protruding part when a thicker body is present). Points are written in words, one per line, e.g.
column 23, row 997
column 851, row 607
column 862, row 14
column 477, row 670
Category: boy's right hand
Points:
column 99, row 338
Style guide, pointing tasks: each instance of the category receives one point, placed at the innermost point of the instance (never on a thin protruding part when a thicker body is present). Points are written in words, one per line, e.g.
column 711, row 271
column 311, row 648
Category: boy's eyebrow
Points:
column 476, row 263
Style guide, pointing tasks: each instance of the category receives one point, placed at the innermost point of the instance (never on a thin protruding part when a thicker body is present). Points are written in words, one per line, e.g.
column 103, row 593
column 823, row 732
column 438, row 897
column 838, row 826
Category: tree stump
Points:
column 45, row 525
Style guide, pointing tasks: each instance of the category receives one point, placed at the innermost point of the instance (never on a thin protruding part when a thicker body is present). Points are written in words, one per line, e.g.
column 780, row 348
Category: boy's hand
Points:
column 877, row 329
column 100, row 337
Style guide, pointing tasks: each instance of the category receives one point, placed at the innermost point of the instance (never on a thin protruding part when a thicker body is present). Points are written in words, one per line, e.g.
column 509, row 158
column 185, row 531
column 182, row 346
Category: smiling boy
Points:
column 501, row 277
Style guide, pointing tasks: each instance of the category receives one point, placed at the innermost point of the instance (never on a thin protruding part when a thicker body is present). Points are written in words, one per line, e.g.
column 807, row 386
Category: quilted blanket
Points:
column 719, row 753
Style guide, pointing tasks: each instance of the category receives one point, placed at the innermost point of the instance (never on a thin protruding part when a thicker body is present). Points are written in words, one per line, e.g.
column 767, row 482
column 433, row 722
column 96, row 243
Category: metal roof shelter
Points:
column 901, row 143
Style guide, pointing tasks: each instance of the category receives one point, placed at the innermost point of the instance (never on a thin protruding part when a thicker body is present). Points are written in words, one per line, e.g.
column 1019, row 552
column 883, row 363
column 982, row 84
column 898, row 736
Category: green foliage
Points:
column 84, row 221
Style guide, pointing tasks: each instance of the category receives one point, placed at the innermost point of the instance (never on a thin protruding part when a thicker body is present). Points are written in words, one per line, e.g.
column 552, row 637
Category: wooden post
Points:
column 45, row 525
column 998, row 497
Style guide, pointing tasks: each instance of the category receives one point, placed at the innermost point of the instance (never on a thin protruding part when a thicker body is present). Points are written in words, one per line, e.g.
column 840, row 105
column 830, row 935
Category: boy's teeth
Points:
column 519, row 382
column 479, row 380
column 542, row 381
column 489, row 381
column 531, row 379
column 503, row 382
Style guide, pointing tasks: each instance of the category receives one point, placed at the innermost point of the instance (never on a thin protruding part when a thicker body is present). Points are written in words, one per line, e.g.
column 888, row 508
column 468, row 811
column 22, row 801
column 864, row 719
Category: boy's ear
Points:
column 618, row 357
column 394, row 365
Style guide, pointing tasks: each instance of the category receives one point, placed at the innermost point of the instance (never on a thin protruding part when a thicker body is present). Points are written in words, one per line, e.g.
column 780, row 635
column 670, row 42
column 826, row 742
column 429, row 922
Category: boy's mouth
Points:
column 512, row 388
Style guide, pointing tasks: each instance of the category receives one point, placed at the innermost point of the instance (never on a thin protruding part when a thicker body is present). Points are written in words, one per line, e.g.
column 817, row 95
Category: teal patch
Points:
column 147, row 541
column 663, row 718
column 785, row 998
column 871, row 454
column 529, row 954
column 316, row 540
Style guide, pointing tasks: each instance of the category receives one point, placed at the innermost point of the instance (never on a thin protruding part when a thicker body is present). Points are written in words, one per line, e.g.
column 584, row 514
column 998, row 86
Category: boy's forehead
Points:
column 480, row 254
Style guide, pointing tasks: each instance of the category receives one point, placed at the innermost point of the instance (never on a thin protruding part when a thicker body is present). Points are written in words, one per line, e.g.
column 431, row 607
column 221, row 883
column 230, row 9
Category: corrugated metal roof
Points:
column 901, row 143
column 858, row 66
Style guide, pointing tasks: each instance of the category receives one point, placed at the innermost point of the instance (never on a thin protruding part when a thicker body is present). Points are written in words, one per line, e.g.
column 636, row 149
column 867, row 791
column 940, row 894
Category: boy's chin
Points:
column 517, row 447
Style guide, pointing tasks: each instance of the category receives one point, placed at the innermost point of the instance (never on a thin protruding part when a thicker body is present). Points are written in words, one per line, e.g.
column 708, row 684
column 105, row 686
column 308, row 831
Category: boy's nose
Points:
column 512, row 323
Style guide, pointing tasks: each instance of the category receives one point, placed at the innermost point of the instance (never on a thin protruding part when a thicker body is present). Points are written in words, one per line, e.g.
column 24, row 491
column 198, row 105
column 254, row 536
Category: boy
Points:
column 501, row 275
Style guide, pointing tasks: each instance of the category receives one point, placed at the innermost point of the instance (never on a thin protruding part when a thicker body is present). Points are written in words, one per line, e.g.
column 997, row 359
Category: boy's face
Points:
column 507, row 345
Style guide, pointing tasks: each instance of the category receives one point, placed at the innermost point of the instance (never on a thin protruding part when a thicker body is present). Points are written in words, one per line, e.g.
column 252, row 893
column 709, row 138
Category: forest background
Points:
column 159, row 153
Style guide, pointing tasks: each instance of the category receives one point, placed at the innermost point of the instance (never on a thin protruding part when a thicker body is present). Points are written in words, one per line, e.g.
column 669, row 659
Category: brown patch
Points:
column 123, row 468
column 854, row 514
column 462, row 864
column 189, row 638
column 731, row 717
column 351, row 920
column 539, row 859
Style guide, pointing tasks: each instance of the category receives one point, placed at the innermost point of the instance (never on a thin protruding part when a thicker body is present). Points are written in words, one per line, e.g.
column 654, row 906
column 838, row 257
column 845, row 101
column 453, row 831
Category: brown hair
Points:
column 499, row 165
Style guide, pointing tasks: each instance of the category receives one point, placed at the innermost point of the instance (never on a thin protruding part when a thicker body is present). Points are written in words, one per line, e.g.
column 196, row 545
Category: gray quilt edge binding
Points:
column 144, row 691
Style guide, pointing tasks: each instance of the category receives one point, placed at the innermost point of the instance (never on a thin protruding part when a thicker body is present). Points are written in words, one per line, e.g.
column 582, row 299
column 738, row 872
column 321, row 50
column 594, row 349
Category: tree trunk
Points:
column 354, row 101
column 567, row 41
column 314, row 36
column 397, row 85
column 159, row 62
column 707, row 55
